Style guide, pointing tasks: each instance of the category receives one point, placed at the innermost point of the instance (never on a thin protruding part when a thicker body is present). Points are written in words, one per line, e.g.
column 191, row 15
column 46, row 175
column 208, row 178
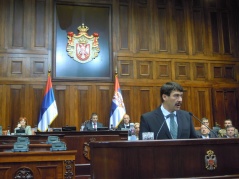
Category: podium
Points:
column 186, row 158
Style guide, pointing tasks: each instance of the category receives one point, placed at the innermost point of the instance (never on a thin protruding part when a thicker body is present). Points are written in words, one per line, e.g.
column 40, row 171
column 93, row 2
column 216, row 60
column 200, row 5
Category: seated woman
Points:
column 137, row 128
column 22, row 125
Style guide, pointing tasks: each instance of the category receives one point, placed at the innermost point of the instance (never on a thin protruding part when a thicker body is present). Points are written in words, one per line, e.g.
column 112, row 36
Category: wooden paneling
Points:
column 225, row 105
column 182, row 71
column 143, row 25
column 198, row 27
column 192, row 42
column 61, row 97
column 144, row 70
column 163, row 39
column 202, row 107
column 102, row 105
column 84, row 98
column 180, row 29
column 163, row 70
column 124, row 26
column 19, row 20
column 200, row 71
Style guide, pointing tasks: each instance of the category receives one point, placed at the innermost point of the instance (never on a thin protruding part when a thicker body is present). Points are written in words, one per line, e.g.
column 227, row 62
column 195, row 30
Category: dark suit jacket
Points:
column 88, row 126
column 211, row 134
column 154, row 120
column 120, row 126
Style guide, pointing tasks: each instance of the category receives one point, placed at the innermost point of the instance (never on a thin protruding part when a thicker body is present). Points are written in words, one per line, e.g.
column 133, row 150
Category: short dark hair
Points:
column 94, row 114
column 168, row 87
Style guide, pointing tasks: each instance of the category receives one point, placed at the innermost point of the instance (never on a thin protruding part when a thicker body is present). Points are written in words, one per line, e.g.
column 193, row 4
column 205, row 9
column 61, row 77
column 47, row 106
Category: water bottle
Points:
column 8, row 130
column 82, row 127
column 49, row 128
column 112, row 127
column 131, row 133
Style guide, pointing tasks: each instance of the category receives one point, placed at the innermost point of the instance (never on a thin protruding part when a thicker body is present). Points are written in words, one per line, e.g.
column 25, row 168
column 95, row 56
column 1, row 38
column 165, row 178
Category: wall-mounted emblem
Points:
column 82, row 47
column 210, row 160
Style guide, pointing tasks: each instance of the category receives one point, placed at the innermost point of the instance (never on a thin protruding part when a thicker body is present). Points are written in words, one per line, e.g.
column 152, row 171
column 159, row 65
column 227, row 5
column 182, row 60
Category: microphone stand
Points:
column 191, row 114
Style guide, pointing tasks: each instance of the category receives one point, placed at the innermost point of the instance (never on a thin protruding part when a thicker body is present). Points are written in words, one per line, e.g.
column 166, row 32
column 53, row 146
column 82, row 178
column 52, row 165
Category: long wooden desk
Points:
column 196, row 158
column 75, row 140
column 38, row 165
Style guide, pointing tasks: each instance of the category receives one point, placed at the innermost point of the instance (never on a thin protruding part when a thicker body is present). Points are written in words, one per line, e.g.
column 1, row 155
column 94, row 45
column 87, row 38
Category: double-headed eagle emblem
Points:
column 82, row 47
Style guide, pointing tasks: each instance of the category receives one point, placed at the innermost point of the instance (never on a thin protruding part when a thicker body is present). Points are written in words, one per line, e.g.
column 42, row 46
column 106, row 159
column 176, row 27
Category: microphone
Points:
column 160, row 128
column 191, row 114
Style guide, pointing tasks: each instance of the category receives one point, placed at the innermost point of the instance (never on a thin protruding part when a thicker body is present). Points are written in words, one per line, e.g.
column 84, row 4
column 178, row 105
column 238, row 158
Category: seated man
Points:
column 93, row 123
column 205, row 133
column 230, row 132
column 222, row 132
column 125, row 124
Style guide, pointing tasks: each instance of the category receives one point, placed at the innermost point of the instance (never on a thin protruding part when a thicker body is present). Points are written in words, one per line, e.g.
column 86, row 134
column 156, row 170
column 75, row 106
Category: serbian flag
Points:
column 48, row 109
column 117, row 107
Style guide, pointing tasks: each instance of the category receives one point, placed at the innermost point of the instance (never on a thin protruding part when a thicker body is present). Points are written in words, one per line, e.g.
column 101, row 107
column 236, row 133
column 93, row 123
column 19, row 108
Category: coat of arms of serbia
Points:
column 82, row 47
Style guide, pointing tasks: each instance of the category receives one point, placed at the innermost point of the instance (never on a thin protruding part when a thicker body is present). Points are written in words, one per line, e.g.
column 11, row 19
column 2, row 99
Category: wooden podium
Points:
column 191, row 158
column 38, row 165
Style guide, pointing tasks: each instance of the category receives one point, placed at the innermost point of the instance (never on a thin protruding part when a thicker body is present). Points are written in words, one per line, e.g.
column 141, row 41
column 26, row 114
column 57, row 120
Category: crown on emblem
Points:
column 83, row 41
column 83, row 28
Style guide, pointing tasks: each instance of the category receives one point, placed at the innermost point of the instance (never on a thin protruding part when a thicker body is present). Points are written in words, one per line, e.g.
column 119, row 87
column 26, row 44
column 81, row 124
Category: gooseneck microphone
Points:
column 191, row 114
column 160, row 128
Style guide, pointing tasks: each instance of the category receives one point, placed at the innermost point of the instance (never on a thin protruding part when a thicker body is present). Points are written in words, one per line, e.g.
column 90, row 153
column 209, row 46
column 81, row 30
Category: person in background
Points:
column 222, row 132
column 230, row 132
column 137, row 128
column 22, row 125
column 93, row 124
column 168, row 121
column 205, row 121
column 125, row 124
column 205, row 133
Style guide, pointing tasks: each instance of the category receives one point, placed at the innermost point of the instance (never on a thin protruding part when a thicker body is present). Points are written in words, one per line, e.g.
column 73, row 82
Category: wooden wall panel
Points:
column 143, row 25
column 163, row 40
column 40, row 28
column 124, row 26
column 182, row 71
column 2, row 27
column 198, row 35
column 34, row 100
column 215, row 33
column 180, row 30
column 125, row 68
column 162, row 70
column 144, row 70
column 61, row 97
column 202, row 99
column 143, row 102
column 226, row 33
column 200, row 71
column 17, row 104
column 225, row 105
column 128, row 97
column 84, row 98
column 18, row 20
column 102, row 104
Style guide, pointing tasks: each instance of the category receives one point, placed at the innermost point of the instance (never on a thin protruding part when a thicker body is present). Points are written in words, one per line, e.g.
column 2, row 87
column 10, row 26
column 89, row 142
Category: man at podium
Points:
column 168, row 121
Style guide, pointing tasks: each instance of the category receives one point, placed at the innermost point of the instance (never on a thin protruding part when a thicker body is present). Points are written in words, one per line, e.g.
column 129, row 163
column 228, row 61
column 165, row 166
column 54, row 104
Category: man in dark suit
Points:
column 178, row 126
column 93, row 124
column 125, row 124
column 205, row 133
